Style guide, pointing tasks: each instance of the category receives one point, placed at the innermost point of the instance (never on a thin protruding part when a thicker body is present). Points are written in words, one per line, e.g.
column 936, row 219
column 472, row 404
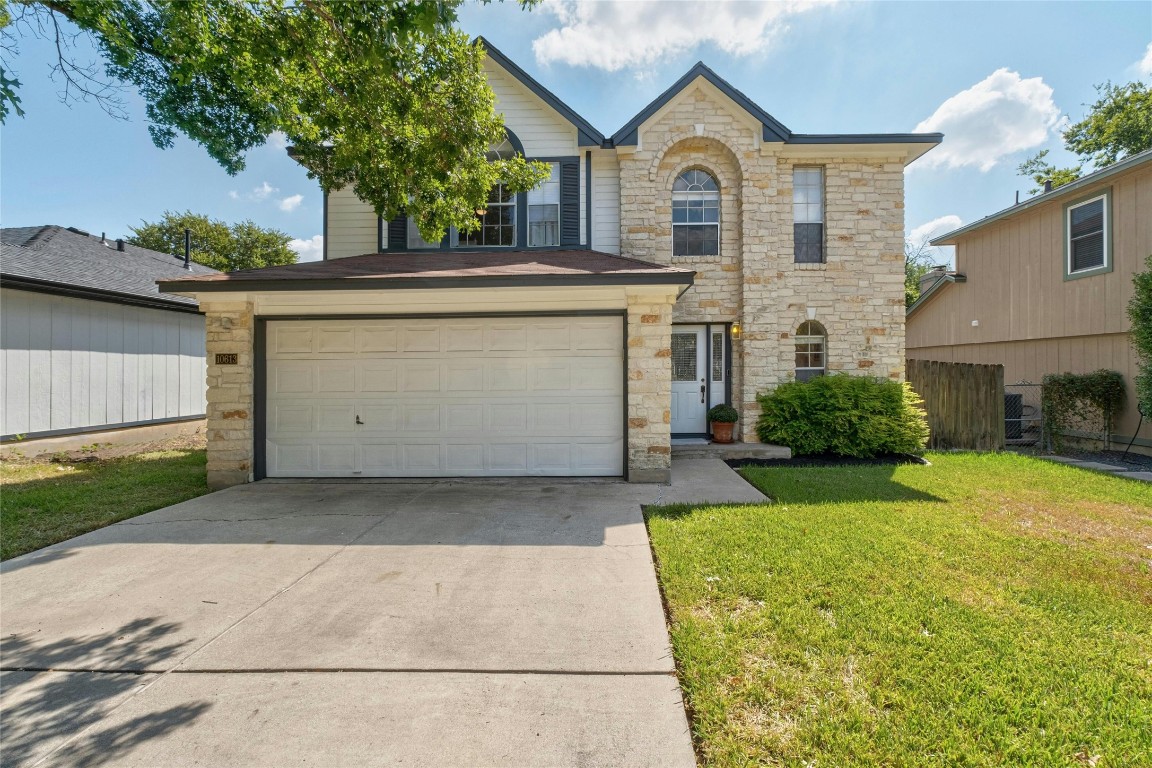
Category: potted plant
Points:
column 723, row 418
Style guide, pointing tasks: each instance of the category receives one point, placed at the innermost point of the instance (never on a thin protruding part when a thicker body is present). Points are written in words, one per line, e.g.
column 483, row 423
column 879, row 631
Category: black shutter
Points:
column 398, row 234
column 570, row 201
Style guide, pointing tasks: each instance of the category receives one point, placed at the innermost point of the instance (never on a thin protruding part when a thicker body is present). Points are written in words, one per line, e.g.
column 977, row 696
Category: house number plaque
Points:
column 227, row 358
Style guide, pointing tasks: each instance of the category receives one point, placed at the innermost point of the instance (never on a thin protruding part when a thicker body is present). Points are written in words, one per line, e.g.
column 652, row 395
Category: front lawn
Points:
column 42, row 503
column 991, row 609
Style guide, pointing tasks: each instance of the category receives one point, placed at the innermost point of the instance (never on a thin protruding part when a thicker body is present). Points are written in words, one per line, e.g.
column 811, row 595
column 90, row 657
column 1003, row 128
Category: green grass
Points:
column 41, row 504
column 991, row 609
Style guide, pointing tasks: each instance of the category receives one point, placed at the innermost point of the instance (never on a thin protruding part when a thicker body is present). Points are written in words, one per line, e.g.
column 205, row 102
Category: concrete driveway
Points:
column 416, row 624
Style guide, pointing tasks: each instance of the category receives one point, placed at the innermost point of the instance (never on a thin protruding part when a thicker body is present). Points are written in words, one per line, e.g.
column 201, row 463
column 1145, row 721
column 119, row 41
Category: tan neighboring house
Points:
column 1042, row 287
column 700, row 255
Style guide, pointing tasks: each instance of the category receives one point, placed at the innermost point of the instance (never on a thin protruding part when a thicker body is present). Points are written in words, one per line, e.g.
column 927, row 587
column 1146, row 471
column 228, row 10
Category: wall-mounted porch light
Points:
column 735, row 330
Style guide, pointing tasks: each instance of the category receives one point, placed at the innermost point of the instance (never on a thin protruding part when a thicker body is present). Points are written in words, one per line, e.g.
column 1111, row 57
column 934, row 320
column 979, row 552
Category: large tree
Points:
column 1118, row 124
column 386, row 96
column 918, row 262
column 214, row 243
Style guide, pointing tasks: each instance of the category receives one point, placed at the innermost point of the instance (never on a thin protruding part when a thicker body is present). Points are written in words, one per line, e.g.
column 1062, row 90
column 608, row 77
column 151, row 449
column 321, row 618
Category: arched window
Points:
column 811, row 342
column 695, row 215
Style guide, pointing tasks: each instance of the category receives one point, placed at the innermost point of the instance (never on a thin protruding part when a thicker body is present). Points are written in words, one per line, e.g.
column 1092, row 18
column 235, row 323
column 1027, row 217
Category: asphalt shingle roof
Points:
column 425, row 269
column 70, row 258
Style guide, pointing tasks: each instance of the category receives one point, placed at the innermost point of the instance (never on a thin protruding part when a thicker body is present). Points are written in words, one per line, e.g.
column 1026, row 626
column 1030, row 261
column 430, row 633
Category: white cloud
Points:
column 622, row 35
column 291, row 203
column 937, row 226
column 1144, row 66
column 234, row 195
column 999, row 116
column 311, row 249
column 262, row 192
column 278, row 140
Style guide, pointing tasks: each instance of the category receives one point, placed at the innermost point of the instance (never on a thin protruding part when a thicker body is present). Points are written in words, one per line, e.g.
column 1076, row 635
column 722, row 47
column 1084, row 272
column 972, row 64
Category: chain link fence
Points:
column 1023, row 421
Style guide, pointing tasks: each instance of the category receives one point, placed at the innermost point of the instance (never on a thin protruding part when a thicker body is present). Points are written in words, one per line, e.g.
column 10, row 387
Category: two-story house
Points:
column 1042, row 287
column 701, row 254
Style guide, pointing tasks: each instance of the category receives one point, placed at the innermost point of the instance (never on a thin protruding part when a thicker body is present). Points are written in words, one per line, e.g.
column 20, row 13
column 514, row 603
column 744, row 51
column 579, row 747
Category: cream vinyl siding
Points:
column 445, row 397
column 352, row 225
column 543, row 132
column 73, row 363
column 605, row 202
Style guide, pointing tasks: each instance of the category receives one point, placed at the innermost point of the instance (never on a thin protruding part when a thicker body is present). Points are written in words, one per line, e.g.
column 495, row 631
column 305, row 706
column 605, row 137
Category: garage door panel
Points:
column 422, row 337
column 336, row 340
column 372, row 339
column 451, row 397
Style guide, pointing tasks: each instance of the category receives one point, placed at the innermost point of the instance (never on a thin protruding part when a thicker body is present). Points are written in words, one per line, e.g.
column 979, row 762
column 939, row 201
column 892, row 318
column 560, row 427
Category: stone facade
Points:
column 650, row 387
column 856, row 295
column 231, row 405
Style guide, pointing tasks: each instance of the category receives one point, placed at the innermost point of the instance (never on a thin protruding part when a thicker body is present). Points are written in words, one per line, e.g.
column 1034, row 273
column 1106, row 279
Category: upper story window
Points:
column 498, row 217
column 1087, row 239
column 811, row 340
column 695, row 215
column 808, row 215
column 544, row 210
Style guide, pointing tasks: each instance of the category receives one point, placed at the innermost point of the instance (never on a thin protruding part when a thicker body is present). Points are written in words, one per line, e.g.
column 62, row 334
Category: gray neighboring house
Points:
column 89, row 343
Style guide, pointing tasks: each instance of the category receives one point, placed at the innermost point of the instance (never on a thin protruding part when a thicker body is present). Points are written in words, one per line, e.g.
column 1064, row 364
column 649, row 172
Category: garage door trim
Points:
column 260, row 363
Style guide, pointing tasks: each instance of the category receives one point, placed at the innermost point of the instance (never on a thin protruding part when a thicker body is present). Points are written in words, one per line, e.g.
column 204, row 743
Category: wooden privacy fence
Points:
column 964, row 401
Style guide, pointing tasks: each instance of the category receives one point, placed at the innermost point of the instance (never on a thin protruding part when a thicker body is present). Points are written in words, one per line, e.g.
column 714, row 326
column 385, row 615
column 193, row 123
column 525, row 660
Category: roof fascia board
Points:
column 909, row 152
column 410, row 283
column 19, row 283
column 931, row 290
column 587, row 133
column 1128, row 163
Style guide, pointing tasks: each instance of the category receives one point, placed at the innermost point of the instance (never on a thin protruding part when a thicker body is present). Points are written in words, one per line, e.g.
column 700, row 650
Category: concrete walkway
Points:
column 405, row 623
column 1116, row 469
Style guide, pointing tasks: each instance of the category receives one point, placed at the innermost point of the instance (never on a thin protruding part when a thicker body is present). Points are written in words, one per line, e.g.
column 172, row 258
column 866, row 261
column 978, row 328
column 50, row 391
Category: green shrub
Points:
column 723, row 414
column 844, row 415
column 1140, row 313
column 1070, row 400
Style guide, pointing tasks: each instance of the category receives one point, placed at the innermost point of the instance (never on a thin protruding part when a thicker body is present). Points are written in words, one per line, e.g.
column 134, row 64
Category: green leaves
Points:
column 214, row 243
column 384, row 96
column 843, row 415
column 1118, row 124
column 1140, row 313
column 1091, row 400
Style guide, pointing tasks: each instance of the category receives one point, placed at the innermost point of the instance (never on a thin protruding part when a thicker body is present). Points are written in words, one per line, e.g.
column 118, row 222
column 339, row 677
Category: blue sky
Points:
column 996, row 78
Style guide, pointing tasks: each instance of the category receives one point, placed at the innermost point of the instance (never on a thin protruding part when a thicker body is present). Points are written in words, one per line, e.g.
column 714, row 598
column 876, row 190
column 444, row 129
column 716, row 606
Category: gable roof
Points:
column 1132, row 161
column 773, row 129
column 71, row 262
column 587, row 134
column 454, row 269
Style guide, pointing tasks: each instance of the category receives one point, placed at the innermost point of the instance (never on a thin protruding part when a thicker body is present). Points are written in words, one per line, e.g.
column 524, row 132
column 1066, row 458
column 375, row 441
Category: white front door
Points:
column 689, row 380
column 436, row 397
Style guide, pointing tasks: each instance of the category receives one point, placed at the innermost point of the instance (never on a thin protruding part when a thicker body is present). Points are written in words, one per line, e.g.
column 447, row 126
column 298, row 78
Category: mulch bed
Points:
column 829, row 460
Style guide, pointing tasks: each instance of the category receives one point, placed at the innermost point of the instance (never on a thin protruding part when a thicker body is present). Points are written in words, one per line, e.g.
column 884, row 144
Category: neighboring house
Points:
column 701, row 254
column 89, row 343
column 1042, row 287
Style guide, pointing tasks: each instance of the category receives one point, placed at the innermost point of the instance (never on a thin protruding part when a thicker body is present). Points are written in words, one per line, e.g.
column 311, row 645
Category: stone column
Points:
column 229, row 326
column 650, row 387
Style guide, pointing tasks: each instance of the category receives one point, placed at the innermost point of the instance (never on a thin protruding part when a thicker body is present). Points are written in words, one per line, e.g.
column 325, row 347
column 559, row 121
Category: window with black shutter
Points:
column 1087, row 235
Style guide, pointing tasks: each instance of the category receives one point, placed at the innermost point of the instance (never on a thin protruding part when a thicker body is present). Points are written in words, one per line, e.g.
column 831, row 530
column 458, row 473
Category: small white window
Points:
column 811, row 340
column 544, row 210
column 1086, row 232
column 808, row 214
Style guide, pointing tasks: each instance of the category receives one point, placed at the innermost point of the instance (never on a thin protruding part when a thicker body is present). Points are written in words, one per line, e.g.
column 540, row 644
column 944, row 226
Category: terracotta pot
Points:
column 722, row 431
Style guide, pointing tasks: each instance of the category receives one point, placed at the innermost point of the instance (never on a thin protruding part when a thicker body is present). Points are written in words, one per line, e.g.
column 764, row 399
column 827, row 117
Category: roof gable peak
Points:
column 773, row 129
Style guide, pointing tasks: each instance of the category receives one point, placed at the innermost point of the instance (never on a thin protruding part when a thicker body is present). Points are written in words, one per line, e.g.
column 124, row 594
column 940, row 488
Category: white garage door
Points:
column 445, row 397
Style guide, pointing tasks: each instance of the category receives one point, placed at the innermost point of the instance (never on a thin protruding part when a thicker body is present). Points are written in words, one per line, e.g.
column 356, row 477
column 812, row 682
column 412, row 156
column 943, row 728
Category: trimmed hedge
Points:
column 844, row 415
